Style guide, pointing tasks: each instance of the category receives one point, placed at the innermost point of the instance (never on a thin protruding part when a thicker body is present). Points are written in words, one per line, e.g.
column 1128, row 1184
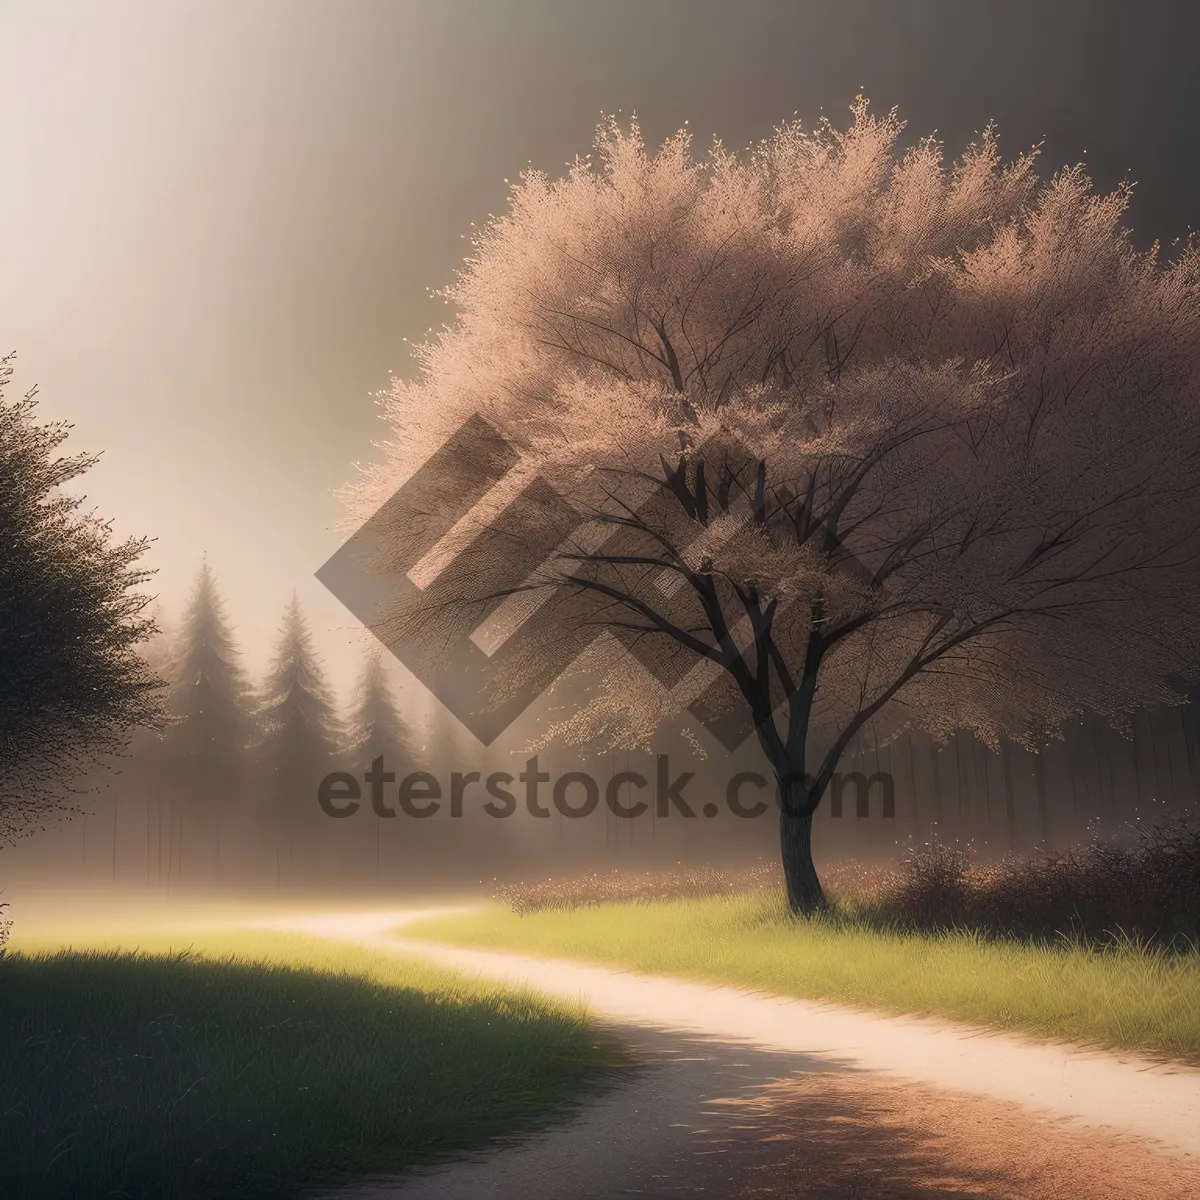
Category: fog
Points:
column 218, row 225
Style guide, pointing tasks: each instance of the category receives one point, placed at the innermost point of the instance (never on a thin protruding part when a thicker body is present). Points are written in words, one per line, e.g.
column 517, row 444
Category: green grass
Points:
column 1128, row 997
column 257, row 1064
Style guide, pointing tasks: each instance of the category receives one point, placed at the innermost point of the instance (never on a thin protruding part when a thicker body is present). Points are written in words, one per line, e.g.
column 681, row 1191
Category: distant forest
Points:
column 227, row 792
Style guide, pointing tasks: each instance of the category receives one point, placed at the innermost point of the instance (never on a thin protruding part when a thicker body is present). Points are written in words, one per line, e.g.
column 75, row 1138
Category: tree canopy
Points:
column 861, row 435
column 72, row 683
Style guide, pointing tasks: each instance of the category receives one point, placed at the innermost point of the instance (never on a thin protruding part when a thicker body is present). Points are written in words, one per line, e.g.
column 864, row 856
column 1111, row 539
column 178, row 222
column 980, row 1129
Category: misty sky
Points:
column 218, row 221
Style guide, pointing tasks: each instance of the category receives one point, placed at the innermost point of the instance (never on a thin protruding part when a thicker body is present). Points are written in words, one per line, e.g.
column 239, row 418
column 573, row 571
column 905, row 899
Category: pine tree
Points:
column 376, row 726
column 378, row 731
column 204, row 750
column 298, row 733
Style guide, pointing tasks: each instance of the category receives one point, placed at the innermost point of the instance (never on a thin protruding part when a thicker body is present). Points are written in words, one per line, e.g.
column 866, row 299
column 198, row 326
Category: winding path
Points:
column 864, row 1101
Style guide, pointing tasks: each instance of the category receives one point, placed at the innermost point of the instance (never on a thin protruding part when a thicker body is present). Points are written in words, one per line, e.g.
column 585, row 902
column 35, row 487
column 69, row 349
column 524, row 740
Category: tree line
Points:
column 243, row 757
column 844, row 438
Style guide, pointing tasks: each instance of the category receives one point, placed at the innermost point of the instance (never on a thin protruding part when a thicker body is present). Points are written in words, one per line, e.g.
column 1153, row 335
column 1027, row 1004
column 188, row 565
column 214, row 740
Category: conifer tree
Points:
column 378, row 731
column 204, row 750
column 298, row 733
column 376, row 726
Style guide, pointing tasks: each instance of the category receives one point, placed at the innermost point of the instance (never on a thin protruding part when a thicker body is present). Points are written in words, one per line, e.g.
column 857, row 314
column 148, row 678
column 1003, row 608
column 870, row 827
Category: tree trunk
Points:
column 804, row 892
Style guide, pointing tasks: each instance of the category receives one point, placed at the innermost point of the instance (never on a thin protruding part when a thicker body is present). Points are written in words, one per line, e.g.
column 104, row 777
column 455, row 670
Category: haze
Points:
column 219, row 223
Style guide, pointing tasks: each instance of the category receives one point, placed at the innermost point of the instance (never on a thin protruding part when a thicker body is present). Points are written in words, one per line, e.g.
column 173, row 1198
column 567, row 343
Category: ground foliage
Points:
column 1143, row 885
column 260, row 1065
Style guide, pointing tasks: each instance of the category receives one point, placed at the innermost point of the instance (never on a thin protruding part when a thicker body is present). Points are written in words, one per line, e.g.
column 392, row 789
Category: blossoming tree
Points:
column 860, row 436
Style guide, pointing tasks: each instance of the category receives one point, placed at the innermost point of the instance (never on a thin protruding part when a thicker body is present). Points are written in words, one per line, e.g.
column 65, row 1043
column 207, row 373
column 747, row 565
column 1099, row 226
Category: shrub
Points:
column 1146, row 887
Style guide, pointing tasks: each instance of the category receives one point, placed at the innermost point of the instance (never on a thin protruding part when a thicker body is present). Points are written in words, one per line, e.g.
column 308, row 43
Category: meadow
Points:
column 1033, row 945
column 218, row 1064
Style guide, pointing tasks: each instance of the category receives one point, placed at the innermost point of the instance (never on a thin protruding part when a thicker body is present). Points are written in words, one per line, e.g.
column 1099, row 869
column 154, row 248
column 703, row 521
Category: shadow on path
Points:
column 663, row 1128
column 702, row 1118
column 747, row 1096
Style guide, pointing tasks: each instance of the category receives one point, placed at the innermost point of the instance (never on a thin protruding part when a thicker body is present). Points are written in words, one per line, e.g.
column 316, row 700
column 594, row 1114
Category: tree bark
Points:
column 804, row 892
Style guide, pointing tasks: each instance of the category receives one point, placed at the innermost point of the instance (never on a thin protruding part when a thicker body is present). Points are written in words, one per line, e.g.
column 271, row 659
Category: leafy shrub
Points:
column 1146, row 887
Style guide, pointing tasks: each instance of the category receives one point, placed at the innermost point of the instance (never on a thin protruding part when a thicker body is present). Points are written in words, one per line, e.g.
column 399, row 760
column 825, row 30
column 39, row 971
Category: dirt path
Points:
column 746, row 1095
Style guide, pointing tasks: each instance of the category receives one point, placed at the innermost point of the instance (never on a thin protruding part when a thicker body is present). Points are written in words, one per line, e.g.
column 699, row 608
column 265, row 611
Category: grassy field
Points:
column 1126, row 997
column 254, row 1064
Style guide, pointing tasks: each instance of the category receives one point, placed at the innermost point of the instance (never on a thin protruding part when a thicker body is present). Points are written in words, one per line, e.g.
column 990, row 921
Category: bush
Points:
column 1146, row 888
